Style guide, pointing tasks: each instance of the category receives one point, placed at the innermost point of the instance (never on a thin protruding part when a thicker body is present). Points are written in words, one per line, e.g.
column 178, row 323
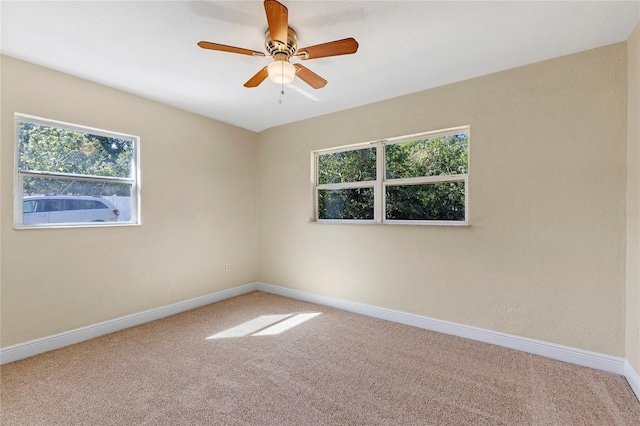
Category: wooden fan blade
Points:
column 345, row 46
column 310, row 77
column 278, row 20
column 257, row 78
column 231, row 49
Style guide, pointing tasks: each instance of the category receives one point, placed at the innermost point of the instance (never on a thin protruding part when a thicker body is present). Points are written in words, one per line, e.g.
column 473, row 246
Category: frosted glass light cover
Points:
column 281, row 72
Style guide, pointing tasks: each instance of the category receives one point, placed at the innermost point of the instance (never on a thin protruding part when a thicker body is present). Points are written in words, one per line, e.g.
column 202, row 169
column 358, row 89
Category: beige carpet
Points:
column 335, row 368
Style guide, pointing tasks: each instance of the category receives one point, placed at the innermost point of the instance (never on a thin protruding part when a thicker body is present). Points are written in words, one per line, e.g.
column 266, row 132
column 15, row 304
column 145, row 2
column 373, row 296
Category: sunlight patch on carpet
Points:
column 266, row 325
column 286, row 324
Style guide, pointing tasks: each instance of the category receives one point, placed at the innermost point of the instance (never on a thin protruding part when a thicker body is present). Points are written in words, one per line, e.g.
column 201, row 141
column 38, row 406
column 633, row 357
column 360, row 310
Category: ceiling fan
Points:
column 281, row 44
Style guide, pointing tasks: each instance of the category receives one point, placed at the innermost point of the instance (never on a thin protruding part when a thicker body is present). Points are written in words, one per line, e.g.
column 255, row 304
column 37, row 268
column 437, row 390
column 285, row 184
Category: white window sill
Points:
column 392, row 223
column 75, row 225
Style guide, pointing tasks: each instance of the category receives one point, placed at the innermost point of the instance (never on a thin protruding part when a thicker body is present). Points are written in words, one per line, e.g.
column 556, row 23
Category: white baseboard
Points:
column 550, row 350
column 57, row 341
column 632, row 377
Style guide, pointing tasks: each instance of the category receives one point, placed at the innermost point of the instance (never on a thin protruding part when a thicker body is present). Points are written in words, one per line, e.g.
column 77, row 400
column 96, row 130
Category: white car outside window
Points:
column 67, row 209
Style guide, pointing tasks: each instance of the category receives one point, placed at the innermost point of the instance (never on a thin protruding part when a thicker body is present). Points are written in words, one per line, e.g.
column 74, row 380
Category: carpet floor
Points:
column 261, row 359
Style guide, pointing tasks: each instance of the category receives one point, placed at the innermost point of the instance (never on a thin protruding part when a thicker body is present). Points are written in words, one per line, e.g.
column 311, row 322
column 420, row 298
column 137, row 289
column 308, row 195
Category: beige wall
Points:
column 633, row 202
column 198, row 212
column 544, row 256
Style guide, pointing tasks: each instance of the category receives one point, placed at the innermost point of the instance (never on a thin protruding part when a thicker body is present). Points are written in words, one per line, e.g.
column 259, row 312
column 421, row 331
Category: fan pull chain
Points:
column 281, row 83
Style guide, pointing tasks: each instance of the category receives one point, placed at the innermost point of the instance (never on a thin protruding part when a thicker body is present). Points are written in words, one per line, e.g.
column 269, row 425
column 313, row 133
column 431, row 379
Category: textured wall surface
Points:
column 544, row 256
column 198, row 212
column 633, row 202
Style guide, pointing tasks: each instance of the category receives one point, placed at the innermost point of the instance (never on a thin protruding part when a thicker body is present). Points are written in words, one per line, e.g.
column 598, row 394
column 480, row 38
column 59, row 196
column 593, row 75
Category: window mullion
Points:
column 88, row 178
column 378, row 192
column 348, row 185
column 426, row 179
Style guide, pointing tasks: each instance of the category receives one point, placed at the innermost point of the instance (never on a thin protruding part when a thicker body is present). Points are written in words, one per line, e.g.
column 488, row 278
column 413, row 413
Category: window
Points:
column 345, row 184
column 68, row 175
column 418, row 179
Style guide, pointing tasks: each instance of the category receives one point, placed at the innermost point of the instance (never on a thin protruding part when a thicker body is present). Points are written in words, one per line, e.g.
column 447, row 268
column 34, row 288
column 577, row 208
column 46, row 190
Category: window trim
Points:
column 381, row 182
column 19, row 175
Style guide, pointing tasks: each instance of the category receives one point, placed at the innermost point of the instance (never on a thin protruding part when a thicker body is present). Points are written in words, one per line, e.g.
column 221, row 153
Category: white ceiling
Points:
column 149, row 47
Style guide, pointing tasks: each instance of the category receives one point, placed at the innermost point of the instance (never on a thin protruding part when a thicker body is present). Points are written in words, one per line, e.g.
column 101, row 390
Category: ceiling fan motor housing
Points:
column 277, row 48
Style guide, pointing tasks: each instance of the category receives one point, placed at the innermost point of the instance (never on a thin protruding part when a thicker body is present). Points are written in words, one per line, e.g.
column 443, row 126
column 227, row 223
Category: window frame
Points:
column 19, row 175
column 345, row 185
column 381, row 183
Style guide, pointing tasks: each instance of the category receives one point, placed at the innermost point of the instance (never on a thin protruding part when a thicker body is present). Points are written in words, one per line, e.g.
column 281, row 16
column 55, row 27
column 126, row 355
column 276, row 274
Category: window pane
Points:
column 352, row 203
column 348, row 166
column 52, row 149
column 55, row 200
column 28, row 206
column 439, row 201
column 442, row 155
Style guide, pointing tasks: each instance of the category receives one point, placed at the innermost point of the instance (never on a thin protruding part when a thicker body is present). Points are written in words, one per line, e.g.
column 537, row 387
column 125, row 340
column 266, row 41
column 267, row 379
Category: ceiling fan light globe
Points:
column 281, row 72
